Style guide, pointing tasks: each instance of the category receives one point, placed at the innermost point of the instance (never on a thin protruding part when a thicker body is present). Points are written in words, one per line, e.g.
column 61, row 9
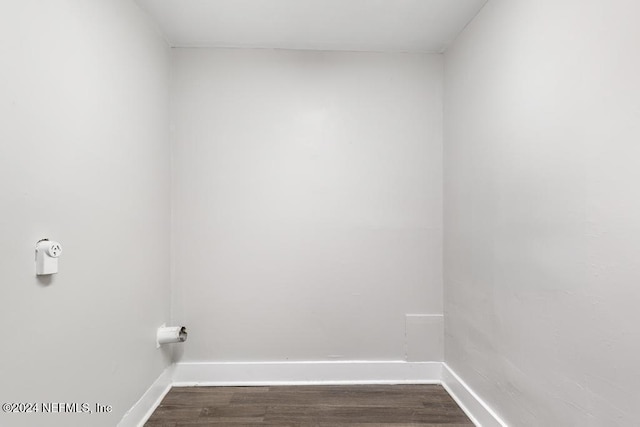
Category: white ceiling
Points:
column 361, row 25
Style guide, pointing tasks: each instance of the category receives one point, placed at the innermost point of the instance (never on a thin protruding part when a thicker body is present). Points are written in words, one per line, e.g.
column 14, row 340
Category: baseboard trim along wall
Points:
column 310, row 373
column 307, row 373
column 476, row 409
column 150, row 400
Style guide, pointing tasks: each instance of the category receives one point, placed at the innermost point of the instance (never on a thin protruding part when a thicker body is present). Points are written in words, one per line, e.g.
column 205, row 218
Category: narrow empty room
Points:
column 320, row 213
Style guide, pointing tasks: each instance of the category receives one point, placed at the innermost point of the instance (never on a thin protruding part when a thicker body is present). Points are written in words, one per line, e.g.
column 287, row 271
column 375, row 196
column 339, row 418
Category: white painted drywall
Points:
column 307, row 202
column 542, row 132
column 84, row 159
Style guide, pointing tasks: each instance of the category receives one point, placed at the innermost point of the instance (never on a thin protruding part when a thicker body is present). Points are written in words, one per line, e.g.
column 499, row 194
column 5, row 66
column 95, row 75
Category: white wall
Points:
column 307, row 203
column 542, row 124
column 84, row 159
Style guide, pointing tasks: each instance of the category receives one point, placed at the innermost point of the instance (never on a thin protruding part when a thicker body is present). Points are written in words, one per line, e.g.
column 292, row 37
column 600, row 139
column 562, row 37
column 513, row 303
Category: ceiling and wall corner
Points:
column 389, row 26
column 426, row 26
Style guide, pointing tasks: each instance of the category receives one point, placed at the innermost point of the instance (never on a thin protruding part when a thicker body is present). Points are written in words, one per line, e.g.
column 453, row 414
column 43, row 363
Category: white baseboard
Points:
column 311, row 373
column 476, row 409
column 150, row 400
column 293, row 373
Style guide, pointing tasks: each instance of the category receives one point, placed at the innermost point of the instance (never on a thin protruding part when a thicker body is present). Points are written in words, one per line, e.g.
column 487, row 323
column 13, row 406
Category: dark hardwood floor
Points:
column 309, row 406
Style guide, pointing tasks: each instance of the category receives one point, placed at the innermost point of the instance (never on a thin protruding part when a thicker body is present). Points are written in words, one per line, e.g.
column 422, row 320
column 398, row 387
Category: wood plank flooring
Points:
column 309, row 406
